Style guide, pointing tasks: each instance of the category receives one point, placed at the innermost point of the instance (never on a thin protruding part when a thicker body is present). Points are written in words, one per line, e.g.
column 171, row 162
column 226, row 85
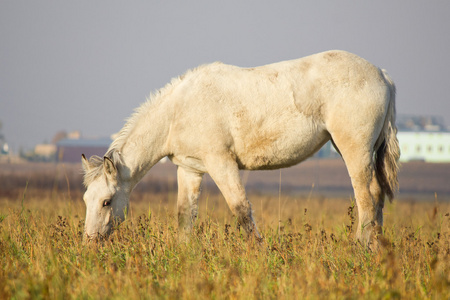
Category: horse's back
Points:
column 313, row 84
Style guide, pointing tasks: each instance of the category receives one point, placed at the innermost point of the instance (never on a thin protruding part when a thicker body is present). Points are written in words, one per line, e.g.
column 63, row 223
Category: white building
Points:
column 423, row 138
column 424, row 146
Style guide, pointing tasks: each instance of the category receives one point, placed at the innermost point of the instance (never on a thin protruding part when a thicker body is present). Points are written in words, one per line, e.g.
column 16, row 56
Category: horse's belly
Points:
column 267, row 152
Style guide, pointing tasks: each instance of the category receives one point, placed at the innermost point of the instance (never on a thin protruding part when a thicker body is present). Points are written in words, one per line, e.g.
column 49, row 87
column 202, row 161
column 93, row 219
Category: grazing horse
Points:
column 219, row 118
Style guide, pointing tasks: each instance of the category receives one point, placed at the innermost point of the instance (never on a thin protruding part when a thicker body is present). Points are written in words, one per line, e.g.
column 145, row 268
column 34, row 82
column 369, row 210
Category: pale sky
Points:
column 85, row 65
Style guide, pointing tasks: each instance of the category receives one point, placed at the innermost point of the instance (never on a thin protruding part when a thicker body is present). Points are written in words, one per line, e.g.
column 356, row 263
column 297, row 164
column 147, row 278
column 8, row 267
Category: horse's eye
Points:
column 107, row 202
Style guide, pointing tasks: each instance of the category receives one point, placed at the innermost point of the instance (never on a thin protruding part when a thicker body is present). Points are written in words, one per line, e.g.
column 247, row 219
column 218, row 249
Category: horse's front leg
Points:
column 188, row 192
column 224, row 170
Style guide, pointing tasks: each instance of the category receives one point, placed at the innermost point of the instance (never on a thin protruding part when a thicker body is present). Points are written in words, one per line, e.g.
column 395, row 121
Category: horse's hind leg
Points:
column 188, row 193
column 358, row 158
column 361, row 178
column 224, row 170
column 378, row 196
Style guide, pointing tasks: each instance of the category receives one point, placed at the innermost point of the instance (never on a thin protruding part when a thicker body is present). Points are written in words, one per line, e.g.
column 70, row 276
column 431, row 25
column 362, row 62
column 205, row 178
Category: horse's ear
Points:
column 85, row 163
column 109, row 167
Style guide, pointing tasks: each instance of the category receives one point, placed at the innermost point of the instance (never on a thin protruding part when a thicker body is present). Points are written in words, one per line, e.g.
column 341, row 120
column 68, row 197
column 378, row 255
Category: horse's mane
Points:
column 113, row 152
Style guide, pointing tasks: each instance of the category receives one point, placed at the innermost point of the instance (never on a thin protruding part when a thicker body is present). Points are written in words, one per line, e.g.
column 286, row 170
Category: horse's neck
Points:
column 145, row 144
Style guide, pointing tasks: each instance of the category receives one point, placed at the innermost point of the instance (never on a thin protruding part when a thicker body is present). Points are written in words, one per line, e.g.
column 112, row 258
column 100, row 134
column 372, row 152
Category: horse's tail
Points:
column 388, row 153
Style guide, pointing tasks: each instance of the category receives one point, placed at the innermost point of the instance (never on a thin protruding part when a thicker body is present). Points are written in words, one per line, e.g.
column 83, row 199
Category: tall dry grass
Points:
column 311, row 253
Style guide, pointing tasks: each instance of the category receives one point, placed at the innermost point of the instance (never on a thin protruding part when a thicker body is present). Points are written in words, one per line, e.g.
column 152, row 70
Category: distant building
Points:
column 421, row 123
column 424, row 146
column 423, row 138
column 45, row 151
column 70, row 150
column 4, row 148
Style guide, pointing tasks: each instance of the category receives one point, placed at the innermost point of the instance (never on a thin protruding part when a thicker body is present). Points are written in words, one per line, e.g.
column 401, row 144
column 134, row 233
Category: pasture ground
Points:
column 308, row 252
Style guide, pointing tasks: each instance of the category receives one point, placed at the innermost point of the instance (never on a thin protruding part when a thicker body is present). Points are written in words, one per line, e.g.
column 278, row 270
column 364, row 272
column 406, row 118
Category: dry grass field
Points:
column 308, row 252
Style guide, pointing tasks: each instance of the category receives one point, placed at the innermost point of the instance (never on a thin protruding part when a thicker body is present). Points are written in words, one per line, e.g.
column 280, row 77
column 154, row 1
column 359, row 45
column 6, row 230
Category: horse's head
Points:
column 106, row 196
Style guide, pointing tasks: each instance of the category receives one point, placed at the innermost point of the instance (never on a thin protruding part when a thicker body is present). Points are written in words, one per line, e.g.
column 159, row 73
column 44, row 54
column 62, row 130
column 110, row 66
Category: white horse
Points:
column 219, row 118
